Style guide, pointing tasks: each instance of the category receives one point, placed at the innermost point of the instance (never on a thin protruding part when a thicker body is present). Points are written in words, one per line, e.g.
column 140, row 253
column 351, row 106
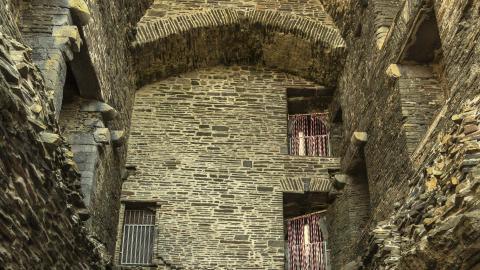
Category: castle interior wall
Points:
column 210, row 148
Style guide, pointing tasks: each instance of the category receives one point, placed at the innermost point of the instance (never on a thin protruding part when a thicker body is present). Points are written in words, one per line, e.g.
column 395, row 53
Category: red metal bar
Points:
column 315, row 134
column 306, row 255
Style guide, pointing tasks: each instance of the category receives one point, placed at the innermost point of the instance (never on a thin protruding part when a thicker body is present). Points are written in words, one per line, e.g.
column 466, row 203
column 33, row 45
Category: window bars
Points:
column 309, row 135
column 138, row 237
column 307, row 249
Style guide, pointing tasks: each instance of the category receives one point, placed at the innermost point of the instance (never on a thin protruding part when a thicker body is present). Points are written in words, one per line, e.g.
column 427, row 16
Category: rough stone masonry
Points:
column 180, row 108
column 226, row 161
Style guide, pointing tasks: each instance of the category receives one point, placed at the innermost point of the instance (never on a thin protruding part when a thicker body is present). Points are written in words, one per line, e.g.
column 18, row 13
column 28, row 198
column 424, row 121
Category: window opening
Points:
column 309, row 134
column 138, row 236
column 308, row 129
column 307, row 245
column 420, row 84
column 424, row 44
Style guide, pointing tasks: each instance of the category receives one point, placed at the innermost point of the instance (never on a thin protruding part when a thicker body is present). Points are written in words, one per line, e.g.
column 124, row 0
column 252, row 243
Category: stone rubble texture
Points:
column 182, row 104
column 41, row 199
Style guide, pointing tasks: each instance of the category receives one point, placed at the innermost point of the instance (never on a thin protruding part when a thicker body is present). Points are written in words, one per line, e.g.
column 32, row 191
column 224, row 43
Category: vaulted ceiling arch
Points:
column 301, row 45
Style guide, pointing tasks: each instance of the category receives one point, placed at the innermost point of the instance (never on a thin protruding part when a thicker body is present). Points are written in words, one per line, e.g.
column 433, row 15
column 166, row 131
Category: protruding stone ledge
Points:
column 102, row 135
column 118, row 137
column 68, row 34
column 359, row 139
column 80, row 12
column 51, row 139
column 408, row 71
column 393, row 71
column 354, row 155
column 340, row 180
column 107, row 111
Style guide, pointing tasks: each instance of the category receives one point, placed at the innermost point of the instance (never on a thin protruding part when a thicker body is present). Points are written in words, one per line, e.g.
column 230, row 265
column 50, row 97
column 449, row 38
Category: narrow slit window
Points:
column 138, row 236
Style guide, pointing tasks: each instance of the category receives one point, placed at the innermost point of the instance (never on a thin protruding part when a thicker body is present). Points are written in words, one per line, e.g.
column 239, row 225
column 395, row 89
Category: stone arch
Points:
column 300, row 45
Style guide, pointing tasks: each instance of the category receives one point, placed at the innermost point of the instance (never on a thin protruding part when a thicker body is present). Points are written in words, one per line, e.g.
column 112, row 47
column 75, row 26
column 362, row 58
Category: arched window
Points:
column 307, row 245
column 308, row 134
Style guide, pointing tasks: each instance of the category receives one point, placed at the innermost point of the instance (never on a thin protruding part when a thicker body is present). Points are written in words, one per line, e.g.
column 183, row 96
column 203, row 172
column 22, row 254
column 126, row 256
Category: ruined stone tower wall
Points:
column 218, row 185
column 406, row 110
column 40, row 197
column 209, row 148
column 60, row 41
column 107, row 40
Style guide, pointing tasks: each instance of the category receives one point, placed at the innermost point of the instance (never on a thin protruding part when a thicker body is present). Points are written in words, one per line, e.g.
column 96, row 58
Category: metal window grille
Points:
column 309, row 135
column 138, row 237
column 307, row 248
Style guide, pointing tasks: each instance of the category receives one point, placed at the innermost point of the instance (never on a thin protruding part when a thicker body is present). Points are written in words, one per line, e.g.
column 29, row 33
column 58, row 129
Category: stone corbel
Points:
column 68, row 39
column 353, row 158
column 396, row 71
column 102, row 135
column 107, row 111
column 118, row 137
column 393, row 71
column 340, row 180
column 359, row 139
column 80, row 12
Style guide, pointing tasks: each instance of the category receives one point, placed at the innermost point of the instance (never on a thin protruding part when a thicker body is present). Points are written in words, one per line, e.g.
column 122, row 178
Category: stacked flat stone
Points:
column 440, row 205
column 41, row 200
column 211, row 148
column 210, row 36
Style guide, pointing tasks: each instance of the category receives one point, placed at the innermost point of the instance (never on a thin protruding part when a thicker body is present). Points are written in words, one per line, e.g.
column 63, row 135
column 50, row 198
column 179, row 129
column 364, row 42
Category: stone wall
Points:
column 40, row 202
column 437, row 226
column 49, row 29
column 9, row 17
column 210, row 148
column 91, row 40
column 215, row 160
column 293, row 37
column 347, row 219
column 106, row 52
column 310, row 8
column 421, row 98
column 392, row 157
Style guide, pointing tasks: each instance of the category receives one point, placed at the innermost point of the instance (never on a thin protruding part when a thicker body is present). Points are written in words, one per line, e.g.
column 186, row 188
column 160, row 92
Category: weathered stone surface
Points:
column 416, row 208
column 80, row 11
column 118, row 137
column 107, row 111
column 221, row 185
column 40, row 197
column 50, row 138
column 440, row 204
column 102, row 135
column 404, row 115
